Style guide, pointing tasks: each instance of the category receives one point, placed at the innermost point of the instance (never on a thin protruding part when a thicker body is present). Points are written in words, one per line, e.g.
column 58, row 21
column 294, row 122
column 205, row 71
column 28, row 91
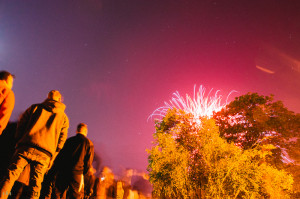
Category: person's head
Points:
column 129, row 172
column 82, row 129
column 120, row 185
column 7, row 78
column 105, row 172
column 54, row 95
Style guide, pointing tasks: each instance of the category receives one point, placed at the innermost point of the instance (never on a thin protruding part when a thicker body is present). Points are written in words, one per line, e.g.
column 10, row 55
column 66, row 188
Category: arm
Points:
column 88, row 159
column 63, row 134
column 23, row 122
column 61, row 140
column 6, row 109
column 52, row 161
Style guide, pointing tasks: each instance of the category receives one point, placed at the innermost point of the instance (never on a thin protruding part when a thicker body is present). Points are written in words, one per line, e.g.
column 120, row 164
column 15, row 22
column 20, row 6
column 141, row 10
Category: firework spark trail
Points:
column 200, row 105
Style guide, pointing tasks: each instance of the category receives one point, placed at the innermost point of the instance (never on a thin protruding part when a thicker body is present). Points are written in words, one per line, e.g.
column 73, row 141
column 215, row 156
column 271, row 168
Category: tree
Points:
column 168, row 161
column 253, row 119
column 190, row 160
column 294, row 168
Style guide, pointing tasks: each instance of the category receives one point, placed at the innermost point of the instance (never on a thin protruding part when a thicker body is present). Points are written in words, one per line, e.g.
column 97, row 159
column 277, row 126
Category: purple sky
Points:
column 116, row 61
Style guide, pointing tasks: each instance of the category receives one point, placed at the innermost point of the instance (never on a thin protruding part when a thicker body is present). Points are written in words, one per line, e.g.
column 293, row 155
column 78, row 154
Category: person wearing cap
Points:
column 7, row 98
column 41, row 134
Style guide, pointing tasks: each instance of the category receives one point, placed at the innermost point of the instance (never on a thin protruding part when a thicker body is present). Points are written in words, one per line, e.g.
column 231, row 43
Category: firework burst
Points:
column 200, row 105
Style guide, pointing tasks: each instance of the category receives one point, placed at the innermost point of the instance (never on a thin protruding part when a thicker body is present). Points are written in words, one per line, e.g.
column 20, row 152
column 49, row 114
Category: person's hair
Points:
column 4, row 75
column 80, row 126
column 54, row 94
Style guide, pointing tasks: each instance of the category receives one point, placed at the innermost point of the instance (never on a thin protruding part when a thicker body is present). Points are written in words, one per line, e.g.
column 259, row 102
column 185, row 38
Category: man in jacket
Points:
column 42, row 132
column 7, row 98
column 73, row 163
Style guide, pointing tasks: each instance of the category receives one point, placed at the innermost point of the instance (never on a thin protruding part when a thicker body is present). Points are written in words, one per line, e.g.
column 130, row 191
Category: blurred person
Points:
column 7, row 149
column 140, row 182
column 73, row 163
column 104, row 185
column 111, row 187
column 133, row 194
column 7, row 146
column 127, row 177
column 7, row 98
column 120, row 190
column 41, row 133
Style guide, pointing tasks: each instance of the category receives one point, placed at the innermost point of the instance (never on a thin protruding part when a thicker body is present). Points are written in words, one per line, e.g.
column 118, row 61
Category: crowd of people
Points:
column 131, row 185
column 38, row 161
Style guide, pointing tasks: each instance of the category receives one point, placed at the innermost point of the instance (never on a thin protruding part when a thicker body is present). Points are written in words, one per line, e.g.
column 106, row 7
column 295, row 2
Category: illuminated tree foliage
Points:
column 294, row 168
column 191, row 160
column 253, row 119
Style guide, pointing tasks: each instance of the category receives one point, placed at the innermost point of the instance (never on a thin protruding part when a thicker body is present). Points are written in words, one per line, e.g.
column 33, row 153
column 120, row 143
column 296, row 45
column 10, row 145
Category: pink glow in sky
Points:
column 116, row 61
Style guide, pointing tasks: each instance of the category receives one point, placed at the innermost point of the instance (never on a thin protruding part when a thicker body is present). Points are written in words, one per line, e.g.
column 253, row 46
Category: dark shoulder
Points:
column 81, row 137
column 37, row 105
column 71, row 142
column 87, row 141
column 71, row 139
column 75, row 137
column 32, row 108
column 90, row 142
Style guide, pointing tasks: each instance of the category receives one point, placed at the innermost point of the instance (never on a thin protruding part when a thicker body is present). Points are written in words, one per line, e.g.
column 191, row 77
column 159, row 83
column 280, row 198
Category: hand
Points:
column 90, row 193
column 81, row 186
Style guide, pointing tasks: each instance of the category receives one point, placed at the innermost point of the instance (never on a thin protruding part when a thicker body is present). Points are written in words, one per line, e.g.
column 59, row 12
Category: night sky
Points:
column 116, row 61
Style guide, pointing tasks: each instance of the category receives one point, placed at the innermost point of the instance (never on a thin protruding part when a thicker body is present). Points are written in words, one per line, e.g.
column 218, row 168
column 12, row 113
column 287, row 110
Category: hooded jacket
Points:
column 44, row 126
column 7, row 103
